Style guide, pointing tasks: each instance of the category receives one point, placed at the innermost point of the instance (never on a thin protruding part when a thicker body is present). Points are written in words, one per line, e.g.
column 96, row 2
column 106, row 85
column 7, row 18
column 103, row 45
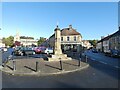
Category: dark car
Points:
column 43, row 49
column 23, row 51
column 94, row 51
column 115, row 53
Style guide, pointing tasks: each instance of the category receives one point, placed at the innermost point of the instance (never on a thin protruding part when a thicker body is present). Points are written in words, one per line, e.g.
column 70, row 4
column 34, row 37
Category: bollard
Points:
column 80, row 55
column 60, row 64
column 36, row 66
column 86, row 58
column 74, row 55
column 4, row 64
column 14, row 65
column 5, row 61
column 79, row 62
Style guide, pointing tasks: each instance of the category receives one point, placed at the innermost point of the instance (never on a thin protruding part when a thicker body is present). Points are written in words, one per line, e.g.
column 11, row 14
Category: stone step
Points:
column 59, row 57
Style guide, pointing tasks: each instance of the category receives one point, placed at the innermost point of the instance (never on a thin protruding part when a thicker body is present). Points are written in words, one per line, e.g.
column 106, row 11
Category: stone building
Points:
column 99, row 46
column 1, row 43
column 70, row 39
column 86, row 44
column 115, row 40
column 24, row 41
column 111, row 42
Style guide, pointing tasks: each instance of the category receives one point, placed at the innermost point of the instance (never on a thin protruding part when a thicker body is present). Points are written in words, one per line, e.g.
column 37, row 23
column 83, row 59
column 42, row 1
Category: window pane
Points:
column 74, row 38
column 67, row 38
column 61, row 38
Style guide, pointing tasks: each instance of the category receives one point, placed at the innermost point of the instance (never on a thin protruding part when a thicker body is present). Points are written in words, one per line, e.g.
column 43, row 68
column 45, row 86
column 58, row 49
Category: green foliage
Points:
column 41, row 40
column 23, row 37
column 9, row 41
column 93, row 42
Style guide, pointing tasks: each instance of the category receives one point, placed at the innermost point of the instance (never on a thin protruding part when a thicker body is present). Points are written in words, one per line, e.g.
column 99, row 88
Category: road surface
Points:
column 100, row 57
column 97, row 75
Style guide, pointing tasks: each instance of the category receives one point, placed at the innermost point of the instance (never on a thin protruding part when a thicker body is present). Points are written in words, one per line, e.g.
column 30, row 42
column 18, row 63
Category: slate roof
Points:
column 112, row 35
column 68, row 31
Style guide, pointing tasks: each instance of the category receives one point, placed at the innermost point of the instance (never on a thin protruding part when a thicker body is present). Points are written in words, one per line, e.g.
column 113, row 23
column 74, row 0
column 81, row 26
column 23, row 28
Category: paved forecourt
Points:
column 40, row 67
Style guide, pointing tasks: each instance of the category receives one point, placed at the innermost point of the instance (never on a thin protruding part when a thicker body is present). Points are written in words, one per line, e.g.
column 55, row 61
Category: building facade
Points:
column 111, row 42
column 115, row 41
column 86, row 44
column 106, row 47
column 70, row 39
column 1, row 44
column 99, row 46
column 24, row 41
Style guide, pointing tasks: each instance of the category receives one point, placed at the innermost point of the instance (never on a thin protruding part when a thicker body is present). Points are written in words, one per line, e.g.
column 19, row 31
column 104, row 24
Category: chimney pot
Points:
column 70, row 27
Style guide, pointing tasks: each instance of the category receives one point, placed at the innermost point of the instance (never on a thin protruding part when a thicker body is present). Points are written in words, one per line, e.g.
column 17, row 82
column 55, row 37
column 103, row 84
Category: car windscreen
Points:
column 50, row 49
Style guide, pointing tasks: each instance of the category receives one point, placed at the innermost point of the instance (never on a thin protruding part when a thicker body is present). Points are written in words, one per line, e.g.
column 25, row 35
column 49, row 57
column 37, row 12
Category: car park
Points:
column 37, row 50
column 23, row 51
column 115, row 53
column 48, row 51
column 0, row 49
column 94, row 51
column 5, row 49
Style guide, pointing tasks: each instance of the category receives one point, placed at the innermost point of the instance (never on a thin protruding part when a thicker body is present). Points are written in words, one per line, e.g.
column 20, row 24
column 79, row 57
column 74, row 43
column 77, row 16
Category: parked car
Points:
column 37, row 50
column 4, row 49
column 23, row 51
column 48, row 51
column 43, row 50
column 115, row 53
column 0, row 49
column 94, row 51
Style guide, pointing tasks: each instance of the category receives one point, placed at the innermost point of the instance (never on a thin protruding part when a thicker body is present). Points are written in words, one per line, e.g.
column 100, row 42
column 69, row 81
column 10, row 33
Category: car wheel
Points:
column 21, row 54
column 47, row 52
column 33, row 52
column 111, row 55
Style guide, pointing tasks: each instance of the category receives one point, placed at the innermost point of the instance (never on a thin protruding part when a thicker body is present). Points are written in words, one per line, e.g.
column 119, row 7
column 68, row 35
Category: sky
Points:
column 38, row 19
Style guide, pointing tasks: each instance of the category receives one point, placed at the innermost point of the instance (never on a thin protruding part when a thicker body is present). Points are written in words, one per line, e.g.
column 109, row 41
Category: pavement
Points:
column 27, row 66
column 97, row 75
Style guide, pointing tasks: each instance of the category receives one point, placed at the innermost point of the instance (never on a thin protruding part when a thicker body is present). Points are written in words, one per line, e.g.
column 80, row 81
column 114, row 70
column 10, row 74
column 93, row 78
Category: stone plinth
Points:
column 58, row 57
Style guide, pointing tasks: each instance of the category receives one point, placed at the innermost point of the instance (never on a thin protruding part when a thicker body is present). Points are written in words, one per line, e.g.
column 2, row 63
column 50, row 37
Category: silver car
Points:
column 48, row 51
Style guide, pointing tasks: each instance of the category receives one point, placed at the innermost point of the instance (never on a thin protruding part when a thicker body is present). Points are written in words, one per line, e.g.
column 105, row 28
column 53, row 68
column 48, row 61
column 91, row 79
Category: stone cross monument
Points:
column 57, row 48
column 58, row 55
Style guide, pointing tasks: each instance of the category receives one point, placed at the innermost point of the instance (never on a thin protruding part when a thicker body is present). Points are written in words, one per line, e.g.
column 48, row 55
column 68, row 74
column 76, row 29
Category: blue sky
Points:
column 37, row 19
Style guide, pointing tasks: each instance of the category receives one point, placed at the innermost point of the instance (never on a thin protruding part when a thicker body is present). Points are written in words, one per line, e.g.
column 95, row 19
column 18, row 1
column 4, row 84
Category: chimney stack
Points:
column 70, row 27
column 102, row 37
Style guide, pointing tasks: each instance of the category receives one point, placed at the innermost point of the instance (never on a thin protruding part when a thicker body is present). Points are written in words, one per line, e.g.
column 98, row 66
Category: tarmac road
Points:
column 98, row 75
column 101, row 58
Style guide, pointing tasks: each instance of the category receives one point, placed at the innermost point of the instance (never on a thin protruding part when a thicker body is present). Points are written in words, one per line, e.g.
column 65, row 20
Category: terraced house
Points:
column 70, row 39
column 111, row 42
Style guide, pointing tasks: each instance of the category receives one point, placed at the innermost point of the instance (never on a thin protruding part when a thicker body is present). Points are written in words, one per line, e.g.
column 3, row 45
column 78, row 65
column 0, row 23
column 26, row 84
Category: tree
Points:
column 41, row 40
column 9, row 41
column 93, row 42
